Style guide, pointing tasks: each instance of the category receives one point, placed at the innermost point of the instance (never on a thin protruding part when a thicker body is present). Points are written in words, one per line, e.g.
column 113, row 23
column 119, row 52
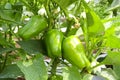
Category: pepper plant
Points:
column 59, row 40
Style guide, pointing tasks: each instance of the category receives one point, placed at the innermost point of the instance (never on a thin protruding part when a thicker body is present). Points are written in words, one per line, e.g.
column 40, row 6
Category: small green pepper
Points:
column 34, row 26
column 73, row 52
column 53, row 40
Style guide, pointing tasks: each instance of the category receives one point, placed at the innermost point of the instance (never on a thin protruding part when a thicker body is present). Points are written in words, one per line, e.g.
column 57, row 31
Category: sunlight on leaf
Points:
column 35, row 70
column 112, row 36
column 71, row 73
column 109, row 74
column 94, row 24
column 113, row 58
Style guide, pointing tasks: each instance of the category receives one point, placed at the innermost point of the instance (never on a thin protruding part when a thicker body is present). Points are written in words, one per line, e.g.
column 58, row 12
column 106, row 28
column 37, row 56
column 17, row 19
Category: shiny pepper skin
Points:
column 34, row 26
column 53, row 41
column 73, row 52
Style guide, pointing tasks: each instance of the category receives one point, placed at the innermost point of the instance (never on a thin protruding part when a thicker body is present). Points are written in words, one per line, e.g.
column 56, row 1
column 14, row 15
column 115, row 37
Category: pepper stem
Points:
column 54, row 66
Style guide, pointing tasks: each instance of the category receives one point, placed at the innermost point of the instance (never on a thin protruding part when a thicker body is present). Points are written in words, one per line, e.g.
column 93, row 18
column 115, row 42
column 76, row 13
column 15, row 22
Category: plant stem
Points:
column 98, row 52
column 50, row 19
column 10, row 40
column 10, row 34
column 5, row 60
column 54, row 66
column 48, row 67
column 86, row 37
column 10, row 21
column 69, row 26
column 47, row 7
column 96, row 66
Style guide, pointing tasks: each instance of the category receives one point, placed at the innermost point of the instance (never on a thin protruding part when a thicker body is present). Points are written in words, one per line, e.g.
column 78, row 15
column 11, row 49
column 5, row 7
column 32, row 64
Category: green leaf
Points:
column 32, row 46
column 11, row 13
column 71, row 73
column 113, row 58
column 17, row 15
column 94, row 24
column 88, row 77
column 7, row 15
column 34, row 69
column 113, row 42
column 112, row 20
column 115, row 5
column 113, row 37
column 72, row 32
column 64, row 3
column 98, row 78
column 7, row 79
column 116, row 69
column 109, row 74
column 3, row 42
column 76, row 9
column 11, row 71
column 93, row 77
column 4, row 50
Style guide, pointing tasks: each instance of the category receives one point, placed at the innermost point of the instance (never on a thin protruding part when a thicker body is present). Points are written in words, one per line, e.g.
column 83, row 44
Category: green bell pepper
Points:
column 34, row 26
column 53, row 41
column 73, row 52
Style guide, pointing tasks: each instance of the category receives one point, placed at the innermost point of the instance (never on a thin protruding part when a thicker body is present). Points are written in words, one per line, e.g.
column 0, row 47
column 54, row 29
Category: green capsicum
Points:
column 34, row 26
column 73, row 52
column 53, row 40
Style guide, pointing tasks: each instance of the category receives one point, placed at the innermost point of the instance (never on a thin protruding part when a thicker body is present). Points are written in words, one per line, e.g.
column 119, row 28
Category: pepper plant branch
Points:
column 10, row 34
column 97, row 66
column 2, row 19
column 66, row 13
column 48, row 67
column 54, row 66
column 86, row 34
column 86, row 31
column 5, row 60
column 48, row 11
